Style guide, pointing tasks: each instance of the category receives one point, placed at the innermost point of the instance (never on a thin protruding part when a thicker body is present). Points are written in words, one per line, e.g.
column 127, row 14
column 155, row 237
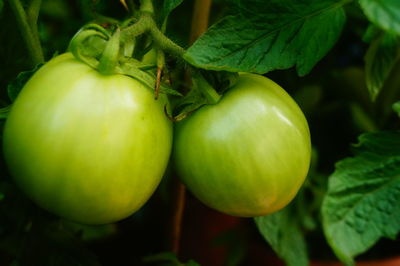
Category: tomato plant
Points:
column 163, row 120
column 248, row 154
column 88, row 147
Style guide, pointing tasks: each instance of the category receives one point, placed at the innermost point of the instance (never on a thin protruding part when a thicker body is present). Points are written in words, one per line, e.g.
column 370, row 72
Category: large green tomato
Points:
column 247, row 155
column 89, row 147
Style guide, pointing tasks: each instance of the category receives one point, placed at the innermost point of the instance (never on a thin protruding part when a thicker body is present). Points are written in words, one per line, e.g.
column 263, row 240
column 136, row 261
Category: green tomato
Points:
column 247, row 155
column 88, row 147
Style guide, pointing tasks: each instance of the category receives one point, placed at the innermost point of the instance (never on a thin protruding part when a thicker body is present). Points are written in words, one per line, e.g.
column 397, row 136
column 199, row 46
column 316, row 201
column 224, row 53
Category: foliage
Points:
column 282, row 231
column 361, row 204
column 385, row 14
column 16, row 86
column 264, row 37
column 168, row 259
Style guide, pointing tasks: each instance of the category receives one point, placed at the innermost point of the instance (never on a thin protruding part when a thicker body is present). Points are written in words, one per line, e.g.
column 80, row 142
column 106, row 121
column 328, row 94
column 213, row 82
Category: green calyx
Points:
column 109, row 58
column 117, row 49
column 208, row 92
column 103, row 51
column 111, row 54
column 88, row 44
column 106, row 55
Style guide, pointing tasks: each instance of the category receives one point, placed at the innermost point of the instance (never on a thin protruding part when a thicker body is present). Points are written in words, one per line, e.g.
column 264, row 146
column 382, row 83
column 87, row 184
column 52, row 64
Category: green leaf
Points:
column 168, row 258
column 372, row 33
column 379, row 61
column 1, row 6
column 170, row 5
column 4, row 111
column 263, row 37
column 284, row 235
column 165, row 7
column 384, row 13
column 396, row 107
column 89, row 233
column 16, row 85
column 361, row 205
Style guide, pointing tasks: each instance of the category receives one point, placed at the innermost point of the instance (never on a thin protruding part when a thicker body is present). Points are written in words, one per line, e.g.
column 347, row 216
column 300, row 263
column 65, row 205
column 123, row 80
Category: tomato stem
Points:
column 164, row 42
column 145, row 24
column 140, row 27
column 27, row 26
column 147, row 6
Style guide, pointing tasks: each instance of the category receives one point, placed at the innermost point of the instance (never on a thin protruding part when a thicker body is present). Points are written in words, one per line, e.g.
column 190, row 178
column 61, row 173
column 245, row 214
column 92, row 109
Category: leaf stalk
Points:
column 27, row 26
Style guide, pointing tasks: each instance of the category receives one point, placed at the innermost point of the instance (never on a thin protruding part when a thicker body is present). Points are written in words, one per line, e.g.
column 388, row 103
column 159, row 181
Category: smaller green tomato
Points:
column 247, row 155
column 88, row 147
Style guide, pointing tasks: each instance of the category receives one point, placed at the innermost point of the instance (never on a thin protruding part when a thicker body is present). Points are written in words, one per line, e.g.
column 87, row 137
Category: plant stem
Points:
column 140, row 27
column 29, row 32
column 146, row 24
column 201, row 13
column 177, row 216
column 179, row 201
column 207, row 90
column 33, row 12
column 146, row 6
column 165, row 43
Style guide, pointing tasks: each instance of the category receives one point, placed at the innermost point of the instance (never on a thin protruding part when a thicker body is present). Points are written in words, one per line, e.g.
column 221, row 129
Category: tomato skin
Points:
column 247, row 155
column 88, row 147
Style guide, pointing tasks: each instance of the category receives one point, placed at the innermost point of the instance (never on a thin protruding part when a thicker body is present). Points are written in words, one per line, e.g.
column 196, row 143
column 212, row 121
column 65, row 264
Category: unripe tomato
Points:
column 89, row 147
column 247, row 155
